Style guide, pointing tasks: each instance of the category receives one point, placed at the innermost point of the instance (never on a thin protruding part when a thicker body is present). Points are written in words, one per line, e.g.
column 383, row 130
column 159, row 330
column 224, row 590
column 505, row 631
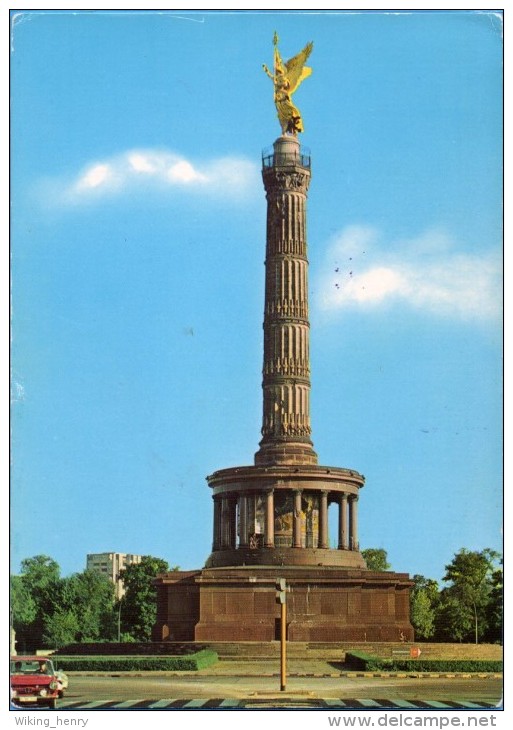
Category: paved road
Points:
column 192, row 691
column 382, row 703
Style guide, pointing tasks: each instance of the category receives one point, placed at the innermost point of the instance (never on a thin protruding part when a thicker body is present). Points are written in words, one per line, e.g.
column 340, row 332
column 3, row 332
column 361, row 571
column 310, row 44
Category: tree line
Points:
column 469, row 608
column 50, row 611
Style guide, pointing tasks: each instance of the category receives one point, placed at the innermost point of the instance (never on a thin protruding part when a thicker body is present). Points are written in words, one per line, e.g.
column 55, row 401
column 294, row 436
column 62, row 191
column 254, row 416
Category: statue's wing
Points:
column 296, row 69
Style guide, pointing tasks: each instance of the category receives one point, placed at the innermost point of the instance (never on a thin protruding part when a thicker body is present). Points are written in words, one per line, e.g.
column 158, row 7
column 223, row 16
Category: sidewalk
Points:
column 318, row 668
column 296, row 668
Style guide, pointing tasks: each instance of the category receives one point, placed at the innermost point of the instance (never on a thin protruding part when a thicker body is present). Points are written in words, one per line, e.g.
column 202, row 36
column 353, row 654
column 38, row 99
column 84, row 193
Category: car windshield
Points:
column 31, row 666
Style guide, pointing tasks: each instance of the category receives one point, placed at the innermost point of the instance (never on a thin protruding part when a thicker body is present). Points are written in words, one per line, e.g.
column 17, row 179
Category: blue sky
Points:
column 137, row 249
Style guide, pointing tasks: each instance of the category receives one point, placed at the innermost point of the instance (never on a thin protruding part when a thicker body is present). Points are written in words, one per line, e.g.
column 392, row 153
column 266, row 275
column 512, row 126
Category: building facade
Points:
column 111, row 565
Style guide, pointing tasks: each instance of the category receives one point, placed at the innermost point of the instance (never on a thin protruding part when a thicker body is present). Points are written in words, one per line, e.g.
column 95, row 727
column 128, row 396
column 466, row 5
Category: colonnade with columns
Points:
column 235, row 519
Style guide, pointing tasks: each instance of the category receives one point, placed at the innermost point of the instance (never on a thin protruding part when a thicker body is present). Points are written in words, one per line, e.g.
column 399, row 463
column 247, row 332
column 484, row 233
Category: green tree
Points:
column 453, row 622
column 38, row 586
column 424, row 600
column 23, row 611
column 23, row 606
column 376, row 559
column 138, row 607
column 92, row 600
column 60, row 628
column 465, row 601
column 40, row 573
column 495, row 608
column 84, row 610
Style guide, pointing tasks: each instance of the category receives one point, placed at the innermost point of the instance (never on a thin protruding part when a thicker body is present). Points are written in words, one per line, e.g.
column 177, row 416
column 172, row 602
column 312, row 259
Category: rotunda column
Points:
column 297, row 519
column 269, row 519
column 353, row 522
column 243, row 521
column 323, row 519
column 342, row 522
column 232, row 522
column 225, row 523
column 216, row 542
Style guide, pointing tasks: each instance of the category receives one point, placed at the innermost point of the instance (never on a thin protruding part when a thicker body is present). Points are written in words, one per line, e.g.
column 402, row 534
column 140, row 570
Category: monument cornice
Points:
column 326, row 476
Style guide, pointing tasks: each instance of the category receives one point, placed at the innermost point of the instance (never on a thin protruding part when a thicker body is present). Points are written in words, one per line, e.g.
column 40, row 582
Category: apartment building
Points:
column 111, row 565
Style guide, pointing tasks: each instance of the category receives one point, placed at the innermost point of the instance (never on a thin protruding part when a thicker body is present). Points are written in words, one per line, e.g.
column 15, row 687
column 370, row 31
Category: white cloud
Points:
column 183, row 172
column 427, row 273
column 94, row 177
column 162, row 170
column 141, row 163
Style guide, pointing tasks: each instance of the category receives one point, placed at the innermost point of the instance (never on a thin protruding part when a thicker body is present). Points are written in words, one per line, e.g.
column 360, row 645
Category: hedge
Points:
column 191, row 663
column 141, row 648
column 370, row 663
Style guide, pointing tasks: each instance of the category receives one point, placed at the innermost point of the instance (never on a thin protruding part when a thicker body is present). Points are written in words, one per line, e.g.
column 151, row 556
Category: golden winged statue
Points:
column 286, row 78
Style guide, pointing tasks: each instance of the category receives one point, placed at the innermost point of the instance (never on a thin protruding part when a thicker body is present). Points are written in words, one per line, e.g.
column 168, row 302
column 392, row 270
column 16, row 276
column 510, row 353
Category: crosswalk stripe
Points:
column 128, row 703
column 436, row 705
column 370, row 703
column 405, row 704
column 92, row 705
column 160, row 703
column 230, row 703
column 194, row 703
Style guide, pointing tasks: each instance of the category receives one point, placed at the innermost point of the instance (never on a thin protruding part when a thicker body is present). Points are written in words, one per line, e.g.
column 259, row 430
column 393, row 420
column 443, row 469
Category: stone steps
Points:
column 255, row 651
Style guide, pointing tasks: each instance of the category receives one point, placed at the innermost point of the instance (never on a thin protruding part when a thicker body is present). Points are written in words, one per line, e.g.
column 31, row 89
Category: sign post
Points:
column 281, row 598
column 414, row 652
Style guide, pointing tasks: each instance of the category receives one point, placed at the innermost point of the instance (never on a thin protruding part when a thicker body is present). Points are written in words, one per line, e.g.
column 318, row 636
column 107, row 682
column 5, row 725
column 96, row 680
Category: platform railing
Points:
column 286, row 159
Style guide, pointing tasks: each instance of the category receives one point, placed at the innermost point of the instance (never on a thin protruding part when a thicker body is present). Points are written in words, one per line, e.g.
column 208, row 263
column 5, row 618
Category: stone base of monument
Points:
column 324, row 604
column 316, row 557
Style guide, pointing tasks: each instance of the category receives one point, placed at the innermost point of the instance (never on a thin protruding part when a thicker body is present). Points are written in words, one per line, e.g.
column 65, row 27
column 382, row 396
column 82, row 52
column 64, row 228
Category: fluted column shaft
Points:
column 286, row 425
column 342, row 522
column 228, row 526
column 269, row 519
column 296, row 523
column 216, row 542
column 232, row 518
column 323, row 520
column 243, row 521
column 225, row 523
column 353, row 522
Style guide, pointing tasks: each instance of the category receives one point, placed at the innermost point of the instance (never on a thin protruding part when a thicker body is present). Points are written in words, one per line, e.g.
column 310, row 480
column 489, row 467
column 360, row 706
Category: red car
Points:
column 33, row 681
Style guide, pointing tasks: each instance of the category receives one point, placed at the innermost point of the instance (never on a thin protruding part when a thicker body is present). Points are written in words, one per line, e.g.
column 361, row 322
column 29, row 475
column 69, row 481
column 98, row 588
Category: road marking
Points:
column 194, row 703
column 151, row 704
column 128, row 703
column 370, row 703
column 405, row 704
column 230, row 703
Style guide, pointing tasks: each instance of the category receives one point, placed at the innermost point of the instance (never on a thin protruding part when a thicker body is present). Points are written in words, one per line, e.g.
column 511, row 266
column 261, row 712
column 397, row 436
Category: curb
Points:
column 302, row 675
column 426, row 675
